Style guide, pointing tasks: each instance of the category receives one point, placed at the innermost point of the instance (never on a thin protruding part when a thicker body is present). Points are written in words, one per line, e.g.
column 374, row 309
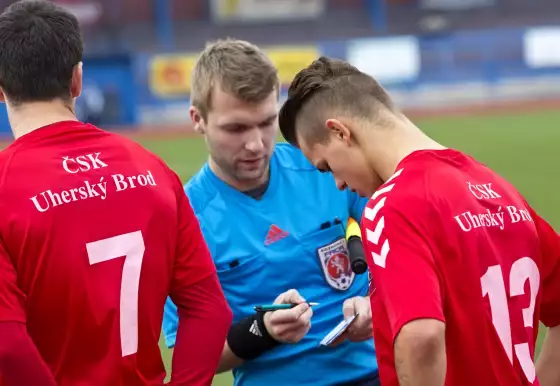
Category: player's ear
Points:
column 2, row 97
column 197, row 120
column 338, row 130
column 76, row 86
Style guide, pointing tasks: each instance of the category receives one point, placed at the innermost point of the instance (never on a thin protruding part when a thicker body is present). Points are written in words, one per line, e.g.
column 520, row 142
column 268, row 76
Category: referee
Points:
column 275, row 226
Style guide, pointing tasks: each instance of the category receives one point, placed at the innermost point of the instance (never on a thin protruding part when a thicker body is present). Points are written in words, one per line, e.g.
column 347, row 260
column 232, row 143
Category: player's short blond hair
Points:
column 236, row 66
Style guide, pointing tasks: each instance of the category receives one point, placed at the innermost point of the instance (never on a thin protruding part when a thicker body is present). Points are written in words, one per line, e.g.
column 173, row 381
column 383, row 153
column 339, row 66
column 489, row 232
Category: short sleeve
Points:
column 549, row 242
column 401, row 261
column 192, row 261
column 12, row 298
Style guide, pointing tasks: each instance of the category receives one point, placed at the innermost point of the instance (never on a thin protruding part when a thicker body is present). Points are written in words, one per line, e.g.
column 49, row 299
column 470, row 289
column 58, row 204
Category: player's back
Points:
column 89, row 219
column 487, row 251
column 469, row 243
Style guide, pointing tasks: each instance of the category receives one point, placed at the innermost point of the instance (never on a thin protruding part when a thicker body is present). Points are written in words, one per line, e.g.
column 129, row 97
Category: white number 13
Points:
column 131, row 246
column 494, row 286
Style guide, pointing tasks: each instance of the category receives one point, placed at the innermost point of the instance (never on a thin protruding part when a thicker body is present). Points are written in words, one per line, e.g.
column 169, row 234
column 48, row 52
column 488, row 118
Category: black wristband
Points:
column 248, row 338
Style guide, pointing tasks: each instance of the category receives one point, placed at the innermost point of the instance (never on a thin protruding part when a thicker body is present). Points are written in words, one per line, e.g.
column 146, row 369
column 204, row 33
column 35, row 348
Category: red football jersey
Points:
column 449, row 239
column 95, row 233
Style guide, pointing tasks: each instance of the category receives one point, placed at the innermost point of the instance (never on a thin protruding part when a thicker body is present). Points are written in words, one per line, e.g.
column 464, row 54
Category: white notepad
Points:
column 337, row 331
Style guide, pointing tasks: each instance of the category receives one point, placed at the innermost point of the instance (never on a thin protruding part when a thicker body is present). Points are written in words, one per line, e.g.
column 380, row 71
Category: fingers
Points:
column 289, row 297
column 291, row 325
column 361, row 329
column 291, row 315
column 348, row 308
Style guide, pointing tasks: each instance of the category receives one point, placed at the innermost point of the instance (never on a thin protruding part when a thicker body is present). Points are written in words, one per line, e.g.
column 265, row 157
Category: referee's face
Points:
column 240, row 136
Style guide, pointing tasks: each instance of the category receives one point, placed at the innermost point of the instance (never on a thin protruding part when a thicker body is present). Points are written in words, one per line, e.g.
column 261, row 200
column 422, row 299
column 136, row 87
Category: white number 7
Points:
column 131, row 246
column 493, row 285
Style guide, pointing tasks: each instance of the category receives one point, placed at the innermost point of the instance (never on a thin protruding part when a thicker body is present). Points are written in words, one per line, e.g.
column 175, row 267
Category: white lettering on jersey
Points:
column 123, row 183
column 468, row 221
column 83, row 163
column 483, row 191
column 523, row 271
column 50, row 199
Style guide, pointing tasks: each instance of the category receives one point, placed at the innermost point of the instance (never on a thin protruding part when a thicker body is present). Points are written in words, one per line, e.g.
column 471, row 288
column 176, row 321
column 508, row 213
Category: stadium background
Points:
column 479, row 75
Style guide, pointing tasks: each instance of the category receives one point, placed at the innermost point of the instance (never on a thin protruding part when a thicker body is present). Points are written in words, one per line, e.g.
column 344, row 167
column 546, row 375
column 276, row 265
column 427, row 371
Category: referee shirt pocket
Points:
column 239, row 269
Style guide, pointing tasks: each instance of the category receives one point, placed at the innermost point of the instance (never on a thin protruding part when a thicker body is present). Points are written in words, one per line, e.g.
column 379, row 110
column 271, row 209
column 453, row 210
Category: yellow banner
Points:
column 170, row 75
column 290, row 60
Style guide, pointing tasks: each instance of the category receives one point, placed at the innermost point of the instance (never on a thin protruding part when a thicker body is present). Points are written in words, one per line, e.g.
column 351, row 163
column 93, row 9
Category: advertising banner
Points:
column 289, row 60
column 170, row 75
column 455, row 5
column 244, row 11
column 389, row 60
column 541, row 47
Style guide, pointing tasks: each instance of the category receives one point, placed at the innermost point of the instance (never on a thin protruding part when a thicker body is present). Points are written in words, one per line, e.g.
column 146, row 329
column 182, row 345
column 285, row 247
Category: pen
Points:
column 277, row 307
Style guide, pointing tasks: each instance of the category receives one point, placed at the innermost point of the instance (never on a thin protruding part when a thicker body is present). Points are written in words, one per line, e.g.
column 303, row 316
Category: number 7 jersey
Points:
column 449, row 239
column 95, row 233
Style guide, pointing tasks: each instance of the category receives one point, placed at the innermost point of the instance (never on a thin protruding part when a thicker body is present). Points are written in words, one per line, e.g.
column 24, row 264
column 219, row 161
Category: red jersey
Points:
column 95, row 233
column 449, row 239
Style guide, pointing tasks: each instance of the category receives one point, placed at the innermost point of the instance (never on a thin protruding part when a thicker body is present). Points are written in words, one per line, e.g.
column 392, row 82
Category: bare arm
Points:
column 548, row 363
column 420, row 357
column 228, row 360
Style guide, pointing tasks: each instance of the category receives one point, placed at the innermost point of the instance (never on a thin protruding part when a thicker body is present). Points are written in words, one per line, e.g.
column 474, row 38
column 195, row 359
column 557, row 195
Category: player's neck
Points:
column 29, row 117
column 387, row 154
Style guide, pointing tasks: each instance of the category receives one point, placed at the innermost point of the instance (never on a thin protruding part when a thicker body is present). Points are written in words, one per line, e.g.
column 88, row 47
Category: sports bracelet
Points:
column 248, row 338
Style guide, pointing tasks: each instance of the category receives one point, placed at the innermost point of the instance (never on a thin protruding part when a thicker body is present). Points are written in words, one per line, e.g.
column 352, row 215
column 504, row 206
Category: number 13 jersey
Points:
column 95, row 233
column 449, row 239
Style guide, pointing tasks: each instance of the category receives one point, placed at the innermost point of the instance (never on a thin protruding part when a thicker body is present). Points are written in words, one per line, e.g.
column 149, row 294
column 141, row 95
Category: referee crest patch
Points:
column 336, row 265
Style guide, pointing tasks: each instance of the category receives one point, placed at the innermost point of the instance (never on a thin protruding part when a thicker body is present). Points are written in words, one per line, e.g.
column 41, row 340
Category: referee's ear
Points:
column 197, row 120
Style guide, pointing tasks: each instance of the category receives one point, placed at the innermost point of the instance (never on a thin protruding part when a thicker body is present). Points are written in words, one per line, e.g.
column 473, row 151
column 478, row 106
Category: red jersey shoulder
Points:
column 401, row 198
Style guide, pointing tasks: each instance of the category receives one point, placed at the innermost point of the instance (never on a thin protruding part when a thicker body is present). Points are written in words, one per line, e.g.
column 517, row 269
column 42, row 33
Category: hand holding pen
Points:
column 291, row 319
column 277, row 307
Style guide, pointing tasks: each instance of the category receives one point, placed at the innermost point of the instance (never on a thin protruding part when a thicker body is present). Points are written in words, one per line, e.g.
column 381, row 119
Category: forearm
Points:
column 204, row 320
column 228, row 360
column 548, row 363
column 420, row 357
column 20, row 361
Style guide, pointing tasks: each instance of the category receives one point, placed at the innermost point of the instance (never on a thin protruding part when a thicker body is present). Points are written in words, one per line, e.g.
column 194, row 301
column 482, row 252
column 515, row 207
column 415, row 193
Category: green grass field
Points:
column 524, row 148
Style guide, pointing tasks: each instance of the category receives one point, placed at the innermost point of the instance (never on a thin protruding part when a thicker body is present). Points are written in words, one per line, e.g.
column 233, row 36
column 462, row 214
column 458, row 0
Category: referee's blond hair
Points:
column 238, row 67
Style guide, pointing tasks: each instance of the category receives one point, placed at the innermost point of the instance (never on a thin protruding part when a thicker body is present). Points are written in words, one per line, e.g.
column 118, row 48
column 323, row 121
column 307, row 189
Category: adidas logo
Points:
column 254, row 329
column 274, row 234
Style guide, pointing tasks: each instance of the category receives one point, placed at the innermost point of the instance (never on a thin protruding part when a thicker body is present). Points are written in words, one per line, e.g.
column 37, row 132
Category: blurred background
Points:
column 431, row 54
column 482, row 76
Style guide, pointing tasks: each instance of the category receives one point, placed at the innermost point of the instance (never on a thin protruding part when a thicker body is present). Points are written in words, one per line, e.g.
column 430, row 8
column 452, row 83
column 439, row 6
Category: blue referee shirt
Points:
column 264, row 247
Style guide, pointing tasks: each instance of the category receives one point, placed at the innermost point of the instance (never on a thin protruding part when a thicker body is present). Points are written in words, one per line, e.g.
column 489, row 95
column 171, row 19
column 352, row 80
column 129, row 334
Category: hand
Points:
column 361, row 329
column 289, row 326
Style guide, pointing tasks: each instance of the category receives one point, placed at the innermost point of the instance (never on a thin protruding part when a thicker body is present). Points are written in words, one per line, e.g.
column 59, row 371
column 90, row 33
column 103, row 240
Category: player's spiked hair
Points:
column 328, row 86
column 40, row 44
column 238, row 68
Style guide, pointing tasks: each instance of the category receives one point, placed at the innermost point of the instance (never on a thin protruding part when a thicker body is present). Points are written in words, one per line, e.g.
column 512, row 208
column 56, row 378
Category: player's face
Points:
column 347, row 162
column 241, row 137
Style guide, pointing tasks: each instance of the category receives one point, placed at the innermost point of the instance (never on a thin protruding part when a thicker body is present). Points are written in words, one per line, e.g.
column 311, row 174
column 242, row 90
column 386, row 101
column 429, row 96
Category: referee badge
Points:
column 336, row 265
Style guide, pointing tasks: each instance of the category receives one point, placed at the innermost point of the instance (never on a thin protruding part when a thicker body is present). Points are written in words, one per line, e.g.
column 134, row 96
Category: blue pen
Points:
column 277, row 307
